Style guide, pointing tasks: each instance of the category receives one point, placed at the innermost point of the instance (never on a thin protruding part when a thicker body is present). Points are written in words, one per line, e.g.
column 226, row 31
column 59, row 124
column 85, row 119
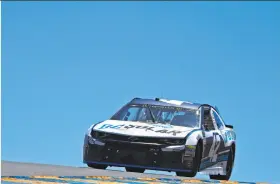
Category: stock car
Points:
column 163, row 134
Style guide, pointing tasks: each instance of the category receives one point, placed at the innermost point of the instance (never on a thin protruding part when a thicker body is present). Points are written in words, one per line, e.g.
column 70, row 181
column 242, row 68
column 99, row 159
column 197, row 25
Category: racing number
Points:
column 214, row 148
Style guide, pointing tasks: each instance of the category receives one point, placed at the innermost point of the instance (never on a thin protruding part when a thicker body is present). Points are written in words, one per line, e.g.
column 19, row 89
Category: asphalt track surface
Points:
column 19, row 172
column 31, row 169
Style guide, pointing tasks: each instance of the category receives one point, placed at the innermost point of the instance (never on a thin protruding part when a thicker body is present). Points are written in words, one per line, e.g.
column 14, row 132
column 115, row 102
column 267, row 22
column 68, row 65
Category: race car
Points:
column 163, row 134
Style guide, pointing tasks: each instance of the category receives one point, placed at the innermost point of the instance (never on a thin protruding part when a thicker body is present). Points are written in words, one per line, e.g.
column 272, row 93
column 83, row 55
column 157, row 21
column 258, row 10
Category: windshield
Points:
column 159, row 114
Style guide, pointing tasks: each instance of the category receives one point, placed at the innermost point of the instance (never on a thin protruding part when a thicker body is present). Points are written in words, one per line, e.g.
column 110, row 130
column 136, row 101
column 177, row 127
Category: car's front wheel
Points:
column 97, row 166
column 196, row 163
column 133, row 169
column 230, row 163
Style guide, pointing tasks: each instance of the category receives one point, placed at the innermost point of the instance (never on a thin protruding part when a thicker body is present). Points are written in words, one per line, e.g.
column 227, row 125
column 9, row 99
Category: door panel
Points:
column 207, row 143
column 225, row 140
column 215, row 147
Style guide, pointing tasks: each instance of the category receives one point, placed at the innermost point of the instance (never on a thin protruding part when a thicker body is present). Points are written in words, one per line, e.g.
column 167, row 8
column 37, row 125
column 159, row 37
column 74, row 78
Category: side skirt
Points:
column 137, row 166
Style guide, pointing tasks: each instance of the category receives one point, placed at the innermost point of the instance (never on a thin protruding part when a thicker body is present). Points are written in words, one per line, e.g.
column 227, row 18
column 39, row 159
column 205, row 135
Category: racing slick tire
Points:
column 196, row 163
column 230, row 163
column 97, row 166
column 133, row 169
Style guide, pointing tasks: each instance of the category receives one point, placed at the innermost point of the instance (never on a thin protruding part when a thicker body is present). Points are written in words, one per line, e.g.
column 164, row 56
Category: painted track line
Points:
column 15, row 172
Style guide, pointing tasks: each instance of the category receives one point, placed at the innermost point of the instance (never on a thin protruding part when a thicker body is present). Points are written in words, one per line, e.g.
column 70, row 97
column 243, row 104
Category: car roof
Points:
column 165, row 102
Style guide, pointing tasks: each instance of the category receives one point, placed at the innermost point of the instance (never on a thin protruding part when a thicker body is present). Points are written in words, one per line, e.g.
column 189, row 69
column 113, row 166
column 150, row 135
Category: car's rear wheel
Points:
column 230, row 163
column 196, row 163
column 133, row 169
column 97, row 166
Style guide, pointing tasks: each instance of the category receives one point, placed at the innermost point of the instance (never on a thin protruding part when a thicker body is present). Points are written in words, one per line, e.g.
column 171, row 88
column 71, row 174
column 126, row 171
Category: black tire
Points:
column 97, row 166
column 196, row 163
column 133, row 169
column 230, row 164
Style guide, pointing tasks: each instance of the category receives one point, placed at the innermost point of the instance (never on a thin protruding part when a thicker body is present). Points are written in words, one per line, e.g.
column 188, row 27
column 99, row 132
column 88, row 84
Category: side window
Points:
column 208, row 121
column 218, row 120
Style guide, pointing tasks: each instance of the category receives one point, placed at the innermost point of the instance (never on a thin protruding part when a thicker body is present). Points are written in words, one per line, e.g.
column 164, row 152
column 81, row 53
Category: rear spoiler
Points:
column 229, row 126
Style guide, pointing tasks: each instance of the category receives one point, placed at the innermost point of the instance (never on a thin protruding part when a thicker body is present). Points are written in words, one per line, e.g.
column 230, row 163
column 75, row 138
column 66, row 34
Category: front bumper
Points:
column 129, row 154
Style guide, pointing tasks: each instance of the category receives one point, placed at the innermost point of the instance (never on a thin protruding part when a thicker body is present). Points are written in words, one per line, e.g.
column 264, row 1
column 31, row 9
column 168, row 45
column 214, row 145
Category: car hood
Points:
column 142, row 129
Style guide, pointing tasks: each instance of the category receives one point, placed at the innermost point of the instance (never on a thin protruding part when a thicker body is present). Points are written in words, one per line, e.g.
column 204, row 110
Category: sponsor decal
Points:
column 147, row 128
column 189, row 149
column 229, row 136
column 214, row 148
column 110, row 126
column 190, row 146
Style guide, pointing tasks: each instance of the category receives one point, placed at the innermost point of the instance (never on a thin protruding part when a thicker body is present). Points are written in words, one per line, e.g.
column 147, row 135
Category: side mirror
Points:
column 229, row 126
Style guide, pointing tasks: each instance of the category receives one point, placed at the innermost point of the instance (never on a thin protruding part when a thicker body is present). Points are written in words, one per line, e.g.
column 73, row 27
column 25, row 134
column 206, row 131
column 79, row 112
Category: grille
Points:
column 116, row 137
